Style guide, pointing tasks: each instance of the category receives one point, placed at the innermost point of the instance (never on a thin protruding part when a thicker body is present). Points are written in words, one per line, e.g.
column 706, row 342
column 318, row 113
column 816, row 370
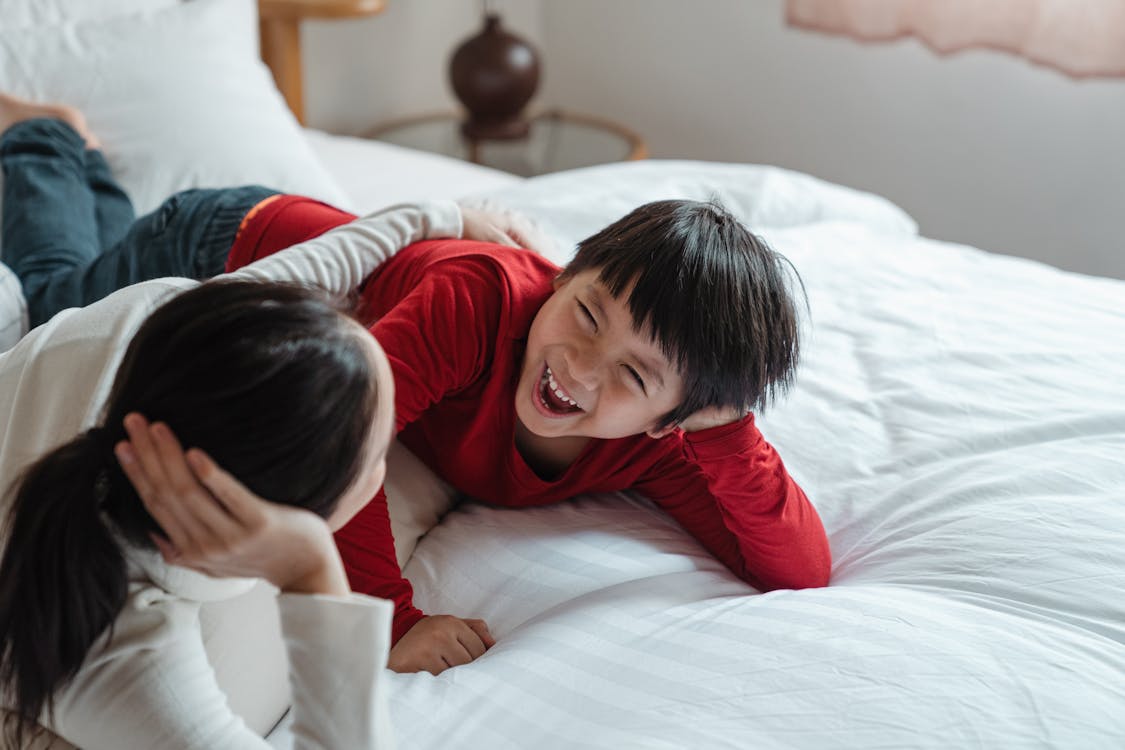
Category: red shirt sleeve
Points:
column 367, row 548
column 729, row 489
column 439, row 336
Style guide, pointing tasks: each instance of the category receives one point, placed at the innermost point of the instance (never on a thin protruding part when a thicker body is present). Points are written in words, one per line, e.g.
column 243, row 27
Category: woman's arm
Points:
column 340, row 259
column 151, row 684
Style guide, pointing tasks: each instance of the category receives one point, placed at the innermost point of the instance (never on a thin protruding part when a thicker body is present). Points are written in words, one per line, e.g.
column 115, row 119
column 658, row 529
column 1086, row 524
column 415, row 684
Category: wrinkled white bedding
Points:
column 373, row 174
column 959, row 421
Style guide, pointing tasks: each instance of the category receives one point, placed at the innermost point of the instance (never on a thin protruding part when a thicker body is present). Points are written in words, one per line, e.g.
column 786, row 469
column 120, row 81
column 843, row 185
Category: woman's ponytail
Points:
column 62, row 577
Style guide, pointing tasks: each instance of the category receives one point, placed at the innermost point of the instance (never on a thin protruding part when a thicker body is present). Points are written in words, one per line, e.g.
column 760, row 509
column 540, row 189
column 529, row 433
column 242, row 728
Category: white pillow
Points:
column 21, row 13
column 178, row 97
column 584, row 201
column 417, row 499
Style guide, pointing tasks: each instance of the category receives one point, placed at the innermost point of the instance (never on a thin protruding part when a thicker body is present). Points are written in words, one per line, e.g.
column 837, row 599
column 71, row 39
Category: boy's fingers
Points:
column 457, row 654
column 481, row 629
column 472, row 642
column 436, row 665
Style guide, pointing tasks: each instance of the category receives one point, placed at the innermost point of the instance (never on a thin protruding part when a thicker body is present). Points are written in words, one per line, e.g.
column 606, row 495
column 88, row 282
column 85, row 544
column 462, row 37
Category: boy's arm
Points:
column 367, row 548
column 340, row 259
column 439, row 338
column 729, row 488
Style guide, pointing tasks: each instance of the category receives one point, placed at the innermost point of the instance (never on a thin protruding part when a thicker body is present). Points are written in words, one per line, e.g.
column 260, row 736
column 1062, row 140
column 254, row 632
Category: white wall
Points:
column 980, row 147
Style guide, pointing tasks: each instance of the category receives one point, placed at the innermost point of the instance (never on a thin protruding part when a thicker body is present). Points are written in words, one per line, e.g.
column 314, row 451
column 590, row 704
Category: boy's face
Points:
column 588, row 373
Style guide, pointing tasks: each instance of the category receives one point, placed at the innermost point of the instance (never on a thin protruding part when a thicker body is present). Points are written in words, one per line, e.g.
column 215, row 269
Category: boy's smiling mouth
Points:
column 551, row 399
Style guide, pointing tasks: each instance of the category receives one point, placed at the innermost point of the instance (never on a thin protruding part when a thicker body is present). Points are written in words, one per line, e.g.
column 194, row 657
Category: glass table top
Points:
column 558, row 140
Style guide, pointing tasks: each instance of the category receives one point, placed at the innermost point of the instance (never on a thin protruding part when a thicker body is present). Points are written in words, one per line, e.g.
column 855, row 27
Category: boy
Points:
column 635, row 367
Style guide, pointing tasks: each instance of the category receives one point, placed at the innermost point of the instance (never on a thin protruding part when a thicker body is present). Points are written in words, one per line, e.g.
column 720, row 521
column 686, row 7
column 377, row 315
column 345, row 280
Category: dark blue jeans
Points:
column 69, row 232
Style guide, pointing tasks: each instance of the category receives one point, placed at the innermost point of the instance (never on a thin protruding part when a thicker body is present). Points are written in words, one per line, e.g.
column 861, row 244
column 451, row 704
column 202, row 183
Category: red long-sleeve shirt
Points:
column 453, row 317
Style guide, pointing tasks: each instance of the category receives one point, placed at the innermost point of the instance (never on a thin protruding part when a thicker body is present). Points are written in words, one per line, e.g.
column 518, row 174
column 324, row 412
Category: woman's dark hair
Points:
column 269, row 379
column 716, row 298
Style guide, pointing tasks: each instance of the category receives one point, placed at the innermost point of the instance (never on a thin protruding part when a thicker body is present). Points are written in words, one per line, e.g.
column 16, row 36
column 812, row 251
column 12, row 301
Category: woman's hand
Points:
column 213, row 524
column 487, row 223
column 438, row 642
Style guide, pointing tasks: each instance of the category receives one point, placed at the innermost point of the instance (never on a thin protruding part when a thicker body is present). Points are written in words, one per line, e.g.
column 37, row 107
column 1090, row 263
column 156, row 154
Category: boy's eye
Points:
column 637, row 377
column 589, row 315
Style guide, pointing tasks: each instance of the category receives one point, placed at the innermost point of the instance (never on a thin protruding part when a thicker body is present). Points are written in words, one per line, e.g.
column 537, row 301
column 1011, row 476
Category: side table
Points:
column 558, row 140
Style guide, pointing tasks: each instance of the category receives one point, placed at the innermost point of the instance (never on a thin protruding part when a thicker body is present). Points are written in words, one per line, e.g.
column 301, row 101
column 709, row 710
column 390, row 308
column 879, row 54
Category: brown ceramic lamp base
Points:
column 494, row 74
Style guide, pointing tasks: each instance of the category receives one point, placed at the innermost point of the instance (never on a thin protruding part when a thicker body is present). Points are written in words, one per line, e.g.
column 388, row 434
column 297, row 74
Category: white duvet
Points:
column 959, row 422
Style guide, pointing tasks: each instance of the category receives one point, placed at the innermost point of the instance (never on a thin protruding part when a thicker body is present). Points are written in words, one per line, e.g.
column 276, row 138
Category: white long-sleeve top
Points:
column 151, row 685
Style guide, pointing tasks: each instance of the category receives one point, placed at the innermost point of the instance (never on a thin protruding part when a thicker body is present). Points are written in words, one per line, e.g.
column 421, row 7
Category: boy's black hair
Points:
column 716, row 298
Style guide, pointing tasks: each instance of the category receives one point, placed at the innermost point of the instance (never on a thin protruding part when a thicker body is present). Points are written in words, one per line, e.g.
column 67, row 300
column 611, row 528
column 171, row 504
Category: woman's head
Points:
column 275, row 382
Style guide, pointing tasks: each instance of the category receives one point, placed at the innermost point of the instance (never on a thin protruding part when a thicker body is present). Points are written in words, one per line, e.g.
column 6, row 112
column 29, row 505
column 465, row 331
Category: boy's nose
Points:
column 582, row 366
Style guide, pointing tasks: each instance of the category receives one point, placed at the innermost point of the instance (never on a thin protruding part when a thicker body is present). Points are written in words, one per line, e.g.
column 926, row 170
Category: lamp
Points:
column 494, row 74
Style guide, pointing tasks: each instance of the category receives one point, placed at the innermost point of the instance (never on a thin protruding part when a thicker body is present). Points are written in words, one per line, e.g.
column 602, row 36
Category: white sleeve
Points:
column 340, row 259
column 338, row 702
column 152, row 686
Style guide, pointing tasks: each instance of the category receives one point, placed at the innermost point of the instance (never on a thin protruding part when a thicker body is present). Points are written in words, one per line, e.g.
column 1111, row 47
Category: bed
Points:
column 958, row 420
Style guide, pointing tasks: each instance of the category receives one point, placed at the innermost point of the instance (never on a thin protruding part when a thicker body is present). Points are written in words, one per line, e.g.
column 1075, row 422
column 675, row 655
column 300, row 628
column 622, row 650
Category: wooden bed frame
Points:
column 280, row 22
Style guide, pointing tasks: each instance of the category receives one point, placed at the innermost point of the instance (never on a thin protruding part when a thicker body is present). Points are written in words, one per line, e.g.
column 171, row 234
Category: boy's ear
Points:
column 557, row 282
column 657, row 433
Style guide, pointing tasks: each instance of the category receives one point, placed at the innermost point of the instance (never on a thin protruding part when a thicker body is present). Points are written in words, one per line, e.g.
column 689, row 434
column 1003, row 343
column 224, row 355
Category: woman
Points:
column 98, row 615
column 99, row 636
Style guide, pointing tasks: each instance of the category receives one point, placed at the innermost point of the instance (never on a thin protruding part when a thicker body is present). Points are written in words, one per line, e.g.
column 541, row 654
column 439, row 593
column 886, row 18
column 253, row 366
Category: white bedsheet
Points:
column 959, row 421
column 373, row 174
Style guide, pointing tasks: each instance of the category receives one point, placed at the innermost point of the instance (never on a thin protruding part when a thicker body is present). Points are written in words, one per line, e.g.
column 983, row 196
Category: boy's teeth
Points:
column 558, row 391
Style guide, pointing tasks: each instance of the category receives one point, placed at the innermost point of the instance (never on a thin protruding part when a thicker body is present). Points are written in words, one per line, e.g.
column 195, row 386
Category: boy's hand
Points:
column 439, row 642
column 712, row 416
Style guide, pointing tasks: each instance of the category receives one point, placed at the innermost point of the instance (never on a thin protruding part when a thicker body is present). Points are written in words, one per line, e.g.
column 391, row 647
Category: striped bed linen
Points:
column 959, row 421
